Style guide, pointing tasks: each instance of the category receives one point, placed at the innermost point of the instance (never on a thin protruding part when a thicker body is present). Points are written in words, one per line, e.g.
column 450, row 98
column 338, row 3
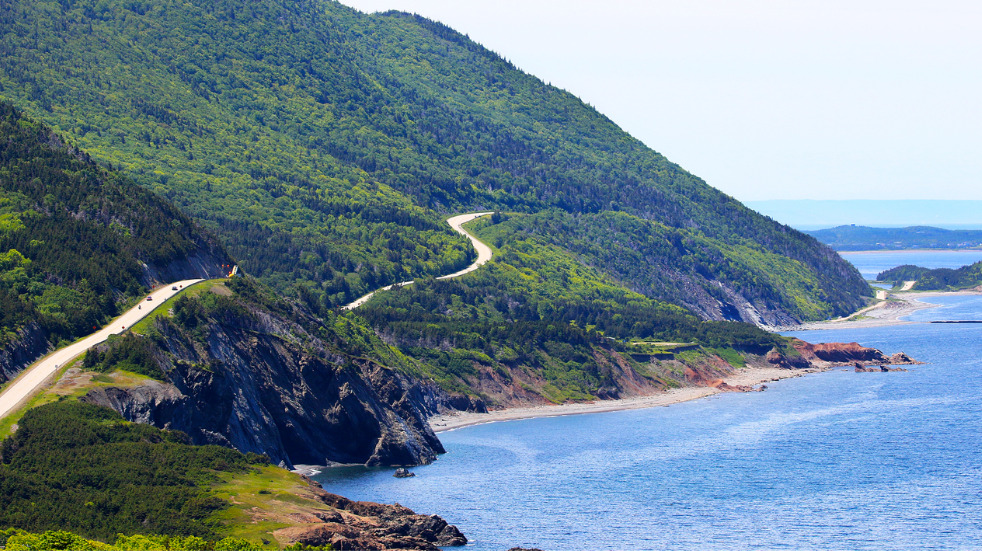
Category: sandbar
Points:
column 885, row 312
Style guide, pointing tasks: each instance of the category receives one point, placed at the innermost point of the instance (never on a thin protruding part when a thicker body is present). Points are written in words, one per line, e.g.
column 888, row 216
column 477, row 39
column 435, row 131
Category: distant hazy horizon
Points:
column 806, row 214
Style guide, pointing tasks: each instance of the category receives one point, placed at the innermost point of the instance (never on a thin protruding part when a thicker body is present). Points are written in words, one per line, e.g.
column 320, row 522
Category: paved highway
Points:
column 32, row 378
column 457, row 223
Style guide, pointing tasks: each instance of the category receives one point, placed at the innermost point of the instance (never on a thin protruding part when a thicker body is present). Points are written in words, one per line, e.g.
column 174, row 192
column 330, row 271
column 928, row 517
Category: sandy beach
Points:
column 886, row 312
column 749, row 376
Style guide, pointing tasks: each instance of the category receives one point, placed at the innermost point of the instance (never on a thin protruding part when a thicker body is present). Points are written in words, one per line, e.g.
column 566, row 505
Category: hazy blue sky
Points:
column 764, row 99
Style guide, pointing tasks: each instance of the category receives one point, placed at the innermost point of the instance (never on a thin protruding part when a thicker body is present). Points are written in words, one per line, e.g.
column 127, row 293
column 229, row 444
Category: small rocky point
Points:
column 367, row 526
column 826, row 355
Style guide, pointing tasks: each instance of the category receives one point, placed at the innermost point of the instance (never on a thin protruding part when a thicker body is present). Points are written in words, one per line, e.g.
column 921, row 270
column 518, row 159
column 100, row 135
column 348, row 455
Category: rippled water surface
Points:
column 837, row 460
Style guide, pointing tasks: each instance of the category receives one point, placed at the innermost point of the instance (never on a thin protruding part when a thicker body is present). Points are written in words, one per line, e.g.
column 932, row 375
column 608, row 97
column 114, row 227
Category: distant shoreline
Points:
column 747, row 377
column 886, row 251
column 884, row 313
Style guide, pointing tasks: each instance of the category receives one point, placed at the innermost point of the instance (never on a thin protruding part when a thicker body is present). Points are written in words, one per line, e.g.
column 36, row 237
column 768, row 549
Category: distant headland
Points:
column 864, row 238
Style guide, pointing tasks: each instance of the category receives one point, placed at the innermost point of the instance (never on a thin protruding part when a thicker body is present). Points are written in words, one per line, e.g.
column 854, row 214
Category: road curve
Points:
column 33, row 377
column 457, row 223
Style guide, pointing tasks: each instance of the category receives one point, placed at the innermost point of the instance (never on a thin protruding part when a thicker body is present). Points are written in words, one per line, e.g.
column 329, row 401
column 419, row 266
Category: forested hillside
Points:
column 75, row 468
column 938, row 279
column 77, row 242
column 535, row 322
column 232, row 363
column 323, row 144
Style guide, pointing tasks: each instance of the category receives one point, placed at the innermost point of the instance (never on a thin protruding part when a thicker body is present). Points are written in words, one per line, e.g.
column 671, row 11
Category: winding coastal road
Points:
column 32, row 378
column 457, row 223
column 35, row 376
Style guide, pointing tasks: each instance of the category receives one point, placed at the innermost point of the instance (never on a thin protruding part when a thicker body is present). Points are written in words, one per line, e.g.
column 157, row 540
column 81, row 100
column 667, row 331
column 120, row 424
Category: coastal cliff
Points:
column 237, row 374
column 239, row 367
column 825, row 355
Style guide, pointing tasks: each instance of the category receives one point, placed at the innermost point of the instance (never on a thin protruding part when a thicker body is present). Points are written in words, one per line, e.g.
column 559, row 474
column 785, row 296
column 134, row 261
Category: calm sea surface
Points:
column 837, row 460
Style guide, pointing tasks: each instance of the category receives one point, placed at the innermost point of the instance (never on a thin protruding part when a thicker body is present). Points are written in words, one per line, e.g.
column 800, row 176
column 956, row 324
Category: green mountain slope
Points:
column 78, row 242
column 321, row 144
column 535, row 322
column 236, row 364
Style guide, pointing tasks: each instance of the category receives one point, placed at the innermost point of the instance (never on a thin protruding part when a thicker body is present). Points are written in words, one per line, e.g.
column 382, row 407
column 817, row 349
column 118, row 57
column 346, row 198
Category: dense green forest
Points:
column 559, row 313
column 863, row 238
column 74, row 238
column 684, row 266
column 14, row 539
column 939, row 279
column 323, row 145
column 78, row 467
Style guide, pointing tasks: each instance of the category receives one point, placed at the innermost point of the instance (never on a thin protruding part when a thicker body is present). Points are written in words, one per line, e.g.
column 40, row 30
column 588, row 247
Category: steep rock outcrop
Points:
column 208, row 261
column 835, row 353
column 365, row 526
column 264, row 385
column 30, row 344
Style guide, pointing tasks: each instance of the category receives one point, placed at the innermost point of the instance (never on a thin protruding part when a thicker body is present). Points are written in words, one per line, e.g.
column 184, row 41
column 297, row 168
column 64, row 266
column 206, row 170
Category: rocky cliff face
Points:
column 263, row 384
column 835, row 353
column 206, row 262
column 30, row 344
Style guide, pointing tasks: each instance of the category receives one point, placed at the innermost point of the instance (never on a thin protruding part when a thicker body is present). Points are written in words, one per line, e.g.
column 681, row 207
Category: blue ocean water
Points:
column 836, row 460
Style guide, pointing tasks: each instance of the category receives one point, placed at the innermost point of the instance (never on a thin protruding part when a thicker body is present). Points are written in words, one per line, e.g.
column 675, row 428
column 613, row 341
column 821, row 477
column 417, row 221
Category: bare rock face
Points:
column 902, row 359
column 205, row 262
column 251, row 388
column 30, row 344
column 787, row 361
column 836, row 353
